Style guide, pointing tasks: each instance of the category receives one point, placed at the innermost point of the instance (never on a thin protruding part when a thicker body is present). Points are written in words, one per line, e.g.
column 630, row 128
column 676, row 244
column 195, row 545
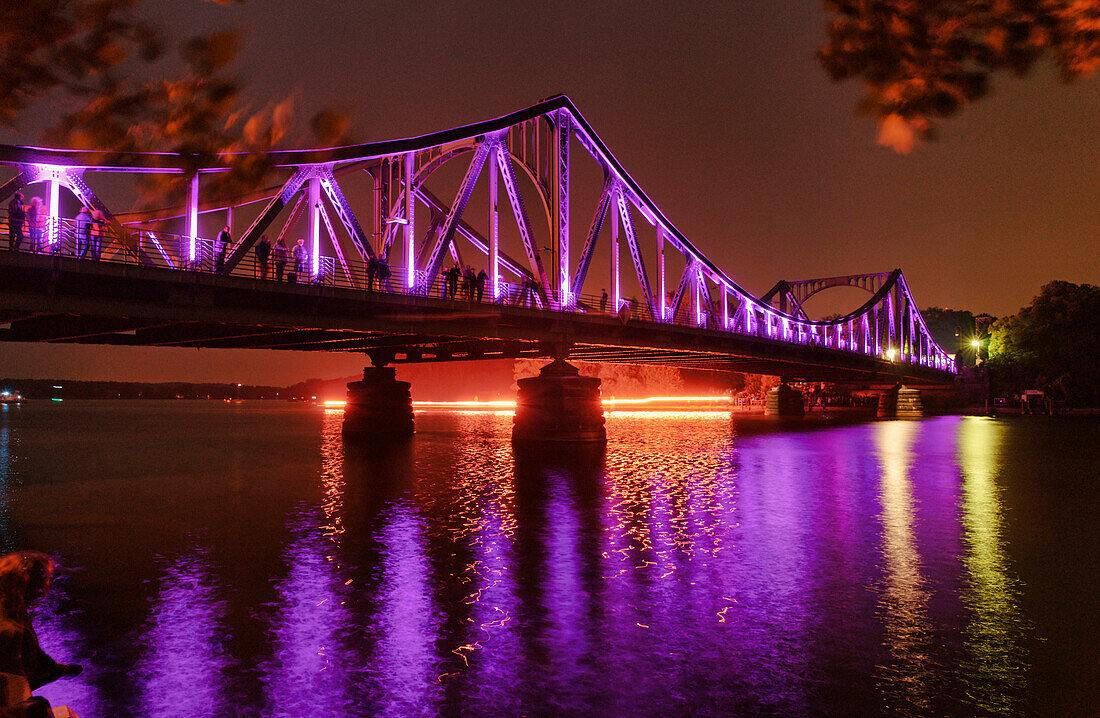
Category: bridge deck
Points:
column 50, row 298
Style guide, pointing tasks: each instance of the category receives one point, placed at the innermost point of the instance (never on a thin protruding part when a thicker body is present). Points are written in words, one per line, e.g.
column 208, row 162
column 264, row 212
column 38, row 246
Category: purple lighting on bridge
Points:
column 535, row 140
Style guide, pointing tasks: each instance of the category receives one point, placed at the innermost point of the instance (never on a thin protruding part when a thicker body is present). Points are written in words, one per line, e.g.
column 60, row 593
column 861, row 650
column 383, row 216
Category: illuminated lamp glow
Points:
column 890, row 354
column 975, row 343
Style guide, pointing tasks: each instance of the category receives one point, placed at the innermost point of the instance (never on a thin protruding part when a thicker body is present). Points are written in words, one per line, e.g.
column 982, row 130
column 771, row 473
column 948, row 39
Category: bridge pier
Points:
column 378, row 406
column 559, row 406
column 900, row 401
column 784, row 401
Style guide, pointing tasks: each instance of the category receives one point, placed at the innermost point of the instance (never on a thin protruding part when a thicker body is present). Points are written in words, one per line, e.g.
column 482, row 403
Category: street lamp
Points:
column 977, row 344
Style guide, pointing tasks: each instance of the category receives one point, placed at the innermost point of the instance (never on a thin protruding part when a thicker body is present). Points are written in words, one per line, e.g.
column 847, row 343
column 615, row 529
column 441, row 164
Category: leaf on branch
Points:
column 924, row 61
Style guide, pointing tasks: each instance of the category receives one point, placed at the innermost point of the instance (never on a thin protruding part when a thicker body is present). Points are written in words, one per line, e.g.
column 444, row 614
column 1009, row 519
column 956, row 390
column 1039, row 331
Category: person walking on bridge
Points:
column 16, row 217
column 469, row 279
column 372, row 272
column 263, row 253
column 279, row 256
column 479, row 284
column 35, row 222
column 221, row 247
column 98, row 235
column 83, row 231
column 452, row 276
column 301, row 258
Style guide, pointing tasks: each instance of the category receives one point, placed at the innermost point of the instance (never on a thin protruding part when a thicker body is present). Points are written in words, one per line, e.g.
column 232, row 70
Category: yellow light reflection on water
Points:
column 994, row 632
column 904, row 600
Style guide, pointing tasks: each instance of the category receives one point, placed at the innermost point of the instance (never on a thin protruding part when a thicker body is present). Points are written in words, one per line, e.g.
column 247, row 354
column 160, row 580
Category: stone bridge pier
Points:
column 784, row 400
column 900, row 402
column 559, row 406
column 378, row 405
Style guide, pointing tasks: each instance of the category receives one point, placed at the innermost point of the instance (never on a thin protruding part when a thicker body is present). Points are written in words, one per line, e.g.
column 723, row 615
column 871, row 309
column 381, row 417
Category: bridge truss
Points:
column 514, row 163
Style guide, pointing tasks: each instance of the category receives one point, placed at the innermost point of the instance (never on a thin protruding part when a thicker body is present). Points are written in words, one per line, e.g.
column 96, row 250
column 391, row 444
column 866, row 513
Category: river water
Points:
column 240, row 559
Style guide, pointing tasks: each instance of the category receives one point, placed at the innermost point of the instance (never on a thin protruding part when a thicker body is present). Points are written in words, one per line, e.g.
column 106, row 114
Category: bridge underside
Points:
column 54, row 299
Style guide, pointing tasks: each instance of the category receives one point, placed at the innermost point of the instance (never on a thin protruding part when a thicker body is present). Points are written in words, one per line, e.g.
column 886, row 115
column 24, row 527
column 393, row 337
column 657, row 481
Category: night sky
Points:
column 722, row 114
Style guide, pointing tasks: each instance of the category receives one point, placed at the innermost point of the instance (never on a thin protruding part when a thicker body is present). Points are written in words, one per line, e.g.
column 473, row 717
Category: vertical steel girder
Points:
column 508, row 175
column 681, row 287
column 446, row 234
column 635, row 253
column 708, row 303
column 593, row 233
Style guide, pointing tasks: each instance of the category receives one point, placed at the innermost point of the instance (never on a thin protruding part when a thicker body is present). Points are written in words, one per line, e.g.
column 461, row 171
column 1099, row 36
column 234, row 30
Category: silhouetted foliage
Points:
column 953, row 330
column 1052, row 344
column 107, row 64
column 923, row 60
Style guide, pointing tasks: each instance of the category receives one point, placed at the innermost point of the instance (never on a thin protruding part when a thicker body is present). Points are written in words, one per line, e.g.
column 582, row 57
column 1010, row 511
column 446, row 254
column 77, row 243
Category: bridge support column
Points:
column 909, row 403
column 559, row 406
column 900, row 401
column 888, row 403
column 784, row 401
column 378, row 406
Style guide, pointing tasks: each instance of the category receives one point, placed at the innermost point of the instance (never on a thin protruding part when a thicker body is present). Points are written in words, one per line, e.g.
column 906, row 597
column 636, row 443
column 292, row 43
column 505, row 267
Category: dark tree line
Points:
column 1052, row 344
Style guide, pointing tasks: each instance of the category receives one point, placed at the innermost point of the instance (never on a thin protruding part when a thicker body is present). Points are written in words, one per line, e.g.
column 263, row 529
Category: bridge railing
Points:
column 100, row 242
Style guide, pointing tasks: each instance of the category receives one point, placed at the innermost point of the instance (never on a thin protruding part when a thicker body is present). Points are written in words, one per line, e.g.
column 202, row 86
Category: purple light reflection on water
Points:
column 311, row 665
column 183, row 667
column 61, row 641
column 405, row 665
column 698, row 565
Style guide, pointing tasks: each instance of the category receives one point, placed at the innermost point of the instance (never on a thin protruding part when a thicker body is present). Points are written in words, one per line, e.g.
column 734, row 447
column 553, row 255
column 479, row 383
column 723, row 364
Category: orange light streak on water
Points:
column 509, row 404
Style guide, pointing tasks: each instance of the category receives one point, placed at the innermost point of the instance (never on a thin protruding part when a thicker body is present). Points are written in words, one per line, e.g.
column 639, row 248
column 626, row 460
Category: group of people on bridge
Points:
column 28, row 223
column 268, row 257
column 473, row 284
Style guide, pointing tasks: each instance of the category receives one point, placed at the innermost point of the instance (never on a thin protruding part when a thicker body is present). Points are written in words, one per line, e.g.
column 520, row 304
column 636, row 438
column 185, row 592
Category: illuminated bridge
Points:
column 578, row 262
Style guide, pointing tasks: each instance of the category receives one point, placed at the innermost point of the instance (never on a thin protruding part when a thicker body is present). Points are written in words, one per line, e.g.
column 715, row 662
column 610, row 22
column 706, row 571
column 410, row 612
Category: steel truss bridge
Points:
column 154, row 279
